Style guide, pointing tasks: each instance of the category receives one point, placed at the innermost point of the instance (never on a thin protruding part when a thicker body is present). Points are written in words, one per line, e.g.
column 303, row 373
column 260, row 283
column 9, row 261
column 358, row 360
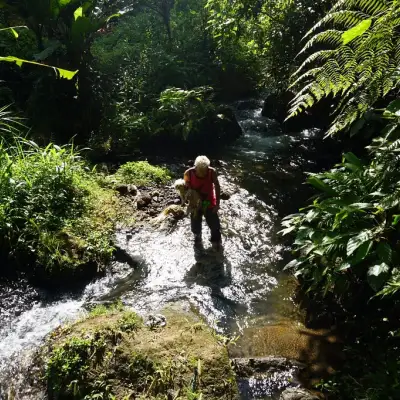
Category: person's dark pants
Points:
column 213, row 223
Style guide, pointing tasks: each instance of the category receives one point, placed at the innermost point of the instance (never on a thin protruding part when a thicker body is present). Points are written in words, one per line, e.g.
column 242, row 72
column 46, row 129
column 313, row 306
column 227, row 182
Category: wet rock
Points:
column 143, row 201
column 175, row 202
column 225, row 195
column 299, row 394
column 219, row 163
column 123, row 256
column 156, row 321
column 319, row 350
column 249, row 367
column 124, row 189
column 276, row 106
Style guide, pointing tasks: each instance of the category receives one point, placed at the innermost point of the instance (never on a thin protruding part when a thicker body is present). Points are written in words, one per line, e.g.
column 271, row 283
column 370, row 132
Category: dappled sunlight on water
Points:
column 222, row 285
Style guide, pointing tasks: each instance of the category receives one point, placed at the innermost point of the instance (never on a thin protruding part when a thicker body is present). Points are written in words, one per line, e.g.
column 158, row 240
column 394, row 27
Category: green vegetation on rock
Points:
column 141, row 173
column 112, row 354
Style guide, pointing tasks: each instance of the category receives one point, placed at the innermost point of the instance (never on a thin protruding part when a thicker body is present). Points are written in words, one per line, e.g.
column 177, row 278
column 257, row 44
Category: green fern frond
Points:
column 371, row 6
column 309, row 74
column 346, row 18
column 332, row 37
column 358, row 73
column 315, row 57
column 391, row 288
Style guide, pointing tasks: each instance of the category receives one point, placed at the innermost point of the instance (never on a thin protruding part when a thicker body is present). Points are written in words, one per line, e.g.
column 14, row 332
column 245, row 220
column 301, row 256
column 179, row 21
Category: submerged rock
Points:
column 319, row 350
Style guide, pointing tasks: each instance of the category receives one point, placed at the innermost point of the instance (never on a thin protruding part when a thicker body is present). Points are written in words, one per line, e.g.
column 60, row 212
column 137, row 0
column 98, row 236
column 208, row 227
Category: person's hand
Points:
column 215, row 209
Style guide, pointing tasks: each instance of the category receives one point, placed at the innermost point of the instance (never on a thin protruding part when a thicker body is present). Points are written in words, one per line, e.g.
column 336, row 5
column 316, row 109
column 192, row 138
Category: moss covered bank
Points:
column 113, row 354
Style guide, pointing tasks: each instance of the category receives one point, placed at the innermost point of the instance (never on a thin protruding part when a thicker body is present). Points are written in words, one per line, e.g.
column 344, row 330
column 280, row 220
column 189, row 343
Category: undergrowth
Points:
column 141, row 173
column 55, row 215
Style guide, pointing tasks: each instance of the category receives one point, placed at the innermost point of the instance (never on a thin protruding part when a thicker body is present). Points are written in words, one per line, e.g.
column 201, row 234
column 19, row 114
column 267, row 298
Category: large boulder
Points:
column 277, row 105
column 114, row 352
column 217, row 129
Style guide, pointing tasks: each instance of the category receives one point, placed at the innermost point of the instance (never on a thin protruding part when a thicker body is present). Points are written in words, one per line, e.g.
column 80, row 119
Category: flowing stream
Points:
column 232, row 290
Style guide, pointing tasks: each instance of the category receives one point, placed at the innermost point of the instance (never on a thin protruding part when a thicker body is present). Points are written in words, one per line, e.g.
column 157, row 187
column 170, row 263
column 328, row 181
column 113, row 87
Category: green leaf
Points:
column 356, row 31
column 353, row 159
column 286, row 231
column 14, row 32
column 78, row 13
column 62, row 72
column 377, row 276
column 319, row 184
column 356, row 241
column 344, row 266
column 384, row 252
column 292, row 264
column 362, row 252
column 361, row 206
column 389, row 129
column 357, row 126
column 396, row 219
column 393, row 108
column 378, row 269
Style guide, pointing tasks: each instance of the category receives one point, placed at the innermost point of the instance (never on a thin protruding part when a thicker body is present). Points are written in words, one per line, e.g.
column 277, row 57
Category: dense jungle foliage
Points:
column 128, row 77
column 347, row 240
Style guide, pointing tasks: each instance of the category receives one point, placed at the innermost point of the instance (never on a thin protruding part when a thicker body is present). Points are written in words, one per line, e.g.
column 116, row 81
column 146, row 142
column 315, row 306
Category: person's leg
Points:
column 214, row 224
column 195, row 222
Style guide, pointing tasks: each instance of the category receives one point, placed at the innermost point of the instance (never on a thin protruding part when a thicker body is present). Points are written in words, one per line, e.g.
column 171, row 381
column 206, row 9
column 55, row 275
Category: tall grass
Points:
column 54, row 215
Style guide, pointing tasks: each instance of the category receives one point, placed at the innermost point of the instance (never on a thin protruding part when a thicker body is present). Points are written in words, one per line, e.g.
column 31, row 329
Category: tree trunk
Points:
column 166, row 15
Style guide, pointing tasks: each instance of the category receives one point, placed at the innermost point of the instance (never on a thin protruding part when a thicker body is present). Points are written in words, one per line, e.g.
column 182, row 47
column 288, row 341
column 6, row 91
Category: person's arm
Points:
column 186, row 177
column 217, row 186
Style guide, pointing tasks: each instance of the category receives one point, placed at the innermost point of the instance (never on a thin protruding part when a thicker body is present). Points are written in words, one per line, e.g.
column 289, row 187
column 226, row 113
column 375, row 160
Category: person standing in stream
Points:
column 204, row 180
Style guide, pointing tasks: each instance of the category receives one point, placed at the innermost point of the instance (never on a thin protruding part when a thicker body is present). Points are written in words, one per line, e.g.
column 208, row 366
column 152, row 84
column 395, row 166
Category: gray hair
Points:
column 202, row 162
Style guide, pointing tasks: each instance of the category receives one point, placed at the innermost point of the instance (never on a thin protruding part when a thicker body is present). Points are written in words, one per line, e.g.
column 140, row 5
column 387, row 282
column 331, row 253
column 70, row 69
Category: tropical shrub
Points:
column 355, row 59
column 181, row 111
column 350, row 234
column 179, row 120
column 141, row 173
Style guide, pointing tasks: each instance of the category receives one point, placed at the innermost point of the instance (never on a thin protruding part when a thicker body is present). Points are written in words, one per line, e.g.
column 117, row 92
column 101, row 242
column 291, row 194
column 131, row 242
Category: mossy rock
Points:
column 112, row 354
